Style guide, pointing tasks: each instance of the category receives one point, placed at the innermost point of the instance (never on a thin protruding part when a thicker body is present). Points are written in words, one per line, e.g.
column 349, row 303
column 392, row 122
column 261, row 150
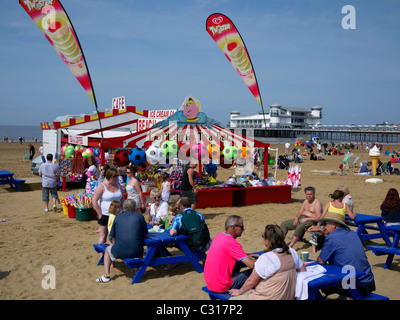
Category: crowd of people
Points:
column 124, row 222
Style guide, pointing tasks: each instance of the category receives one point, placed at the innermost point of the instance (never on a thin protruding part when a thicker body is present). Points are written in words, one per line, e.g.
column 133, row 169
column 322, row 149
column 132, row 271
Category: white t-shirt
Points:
column 161, row 211
column 268, row 263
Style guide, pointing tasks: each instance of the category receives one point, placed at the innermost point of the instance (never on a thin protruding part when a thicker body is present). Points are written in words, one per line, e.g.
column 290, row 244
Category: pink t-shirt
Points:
column 221, row 259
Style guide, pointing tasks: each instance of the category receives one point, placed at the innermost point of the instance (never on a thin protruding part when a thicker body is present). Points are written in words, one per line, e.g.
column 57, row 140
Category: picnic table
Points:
column 7, row 177
column 391, row 248
column 156, row 243
column 363, row 223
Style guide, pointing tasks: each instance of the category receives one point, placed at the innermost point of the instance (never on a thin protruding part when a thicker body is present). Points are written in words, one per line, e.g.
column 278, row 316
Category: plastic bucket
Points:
column 71, row 212
column 84, row 214
column 65, row 209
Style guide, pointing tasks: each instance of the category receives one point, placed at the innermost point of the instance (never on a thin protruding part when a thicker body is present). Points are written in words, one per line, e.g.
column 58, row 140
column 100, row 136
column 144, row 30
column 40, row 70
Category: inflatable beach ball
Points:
column 96, row 152
column 230, row 153
column 69, row 152
column 137, row 156
column 153, row 154
column 183, row 153
column 143, row 166
column 199, row 151
column 121, row 158
column 211, row 168
column 169, row 148
column 214, row 150
column 225, row 163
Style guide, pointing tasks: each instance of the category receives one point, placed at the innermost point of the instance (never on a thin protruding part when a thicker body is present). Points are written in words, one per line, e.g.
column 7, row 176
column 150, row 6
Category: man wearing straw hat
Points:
column 343, row 247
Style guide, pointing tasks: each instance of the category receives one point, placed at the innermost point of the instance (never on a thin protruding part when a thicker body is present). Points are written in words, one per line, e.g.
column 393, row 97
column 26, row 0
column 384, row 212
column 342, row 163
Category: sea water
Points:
column 29, row 133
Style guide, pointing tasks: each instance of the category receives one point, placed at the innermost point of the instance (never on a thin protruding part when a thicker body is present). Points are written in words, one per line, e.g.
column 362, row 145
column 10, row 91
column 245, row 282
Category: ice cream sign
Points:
column 154, row 117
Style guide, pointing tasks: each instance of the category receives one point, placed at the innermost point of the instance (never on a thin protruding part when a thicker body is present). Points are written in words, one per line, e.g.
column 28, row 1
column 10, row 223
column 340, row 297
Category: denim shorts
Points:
column 45, row 193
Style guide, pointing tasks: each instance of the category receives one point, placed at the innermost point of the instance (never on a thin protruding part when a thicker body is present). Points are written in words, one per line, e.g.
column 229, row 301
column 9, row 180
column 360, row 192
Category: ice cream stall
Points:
column 190, row 134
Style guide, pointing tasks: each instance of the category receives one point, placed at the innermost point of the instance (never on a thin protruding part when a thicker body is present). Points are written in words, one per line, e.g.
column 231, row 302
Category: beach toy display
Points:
column 374, row 153
column 79, row 206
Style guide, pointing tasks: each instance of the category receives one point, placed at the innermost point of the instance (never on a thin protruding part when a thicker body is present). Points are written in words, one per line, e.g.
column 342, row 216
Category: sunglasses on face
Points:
column 241, row 227
column 156, row 197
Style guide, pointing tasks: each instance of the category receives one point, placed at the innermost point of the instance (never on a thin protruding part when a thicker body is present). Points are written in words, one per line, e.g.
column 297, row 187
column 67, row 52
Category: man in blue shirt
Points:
column 184, row 205
column 127, row 234
column 343, row 247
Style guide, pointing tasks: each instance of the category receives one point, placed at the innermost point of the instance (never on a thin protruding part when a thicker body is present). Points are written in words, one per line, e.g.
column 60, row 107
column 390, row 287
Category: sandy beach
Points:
column 32, row 239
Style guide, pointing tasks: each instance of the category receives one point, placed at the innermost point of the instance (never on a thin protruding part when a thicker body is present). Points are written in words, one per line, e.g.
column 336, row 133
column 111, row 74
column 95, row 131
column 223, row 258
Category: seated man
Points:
column 307, row 216
column 220, row 273
column 184, row 207
column 343, row 247
column 127, row 235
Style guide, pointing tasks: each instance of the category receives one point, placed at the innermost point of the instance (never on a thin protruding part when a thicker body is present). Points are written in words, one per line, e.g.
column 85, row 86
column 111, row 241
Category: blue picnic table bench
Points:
column 156, row 243
column 391, row 248
column 7, row 177
column 365, row 222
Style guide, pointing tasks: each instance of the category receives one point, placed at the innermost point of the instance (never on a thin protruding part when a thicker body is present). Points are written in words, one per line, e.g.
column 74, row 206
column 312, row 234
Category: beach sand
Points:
column 32, row 239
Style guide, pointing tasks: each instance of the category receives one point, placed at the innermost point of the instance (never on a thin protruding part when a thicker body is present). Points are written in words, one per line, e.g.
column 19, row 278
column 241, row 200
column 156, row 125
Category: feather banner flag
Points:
column 228, row 39
column 53, row 21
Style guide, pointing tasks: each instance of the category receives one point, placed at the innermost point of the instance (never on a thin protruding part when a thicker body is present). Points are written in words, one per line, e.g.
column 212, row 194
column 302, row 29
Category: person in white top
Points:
column 274, row 274
column 158, row 209
column 93, row 169
column 104, row 194
column 166, row 188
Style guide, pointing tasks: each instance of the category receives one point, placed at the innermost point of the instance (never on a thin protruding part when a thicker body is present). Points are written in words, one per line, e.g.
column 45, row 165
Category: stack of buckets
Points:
column 80, row 214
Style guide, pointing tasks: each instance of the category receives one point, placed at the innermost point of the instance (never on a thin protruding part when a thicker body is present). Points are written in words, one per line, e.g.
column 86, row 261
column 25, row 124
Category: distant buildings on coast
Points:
column 280, row 124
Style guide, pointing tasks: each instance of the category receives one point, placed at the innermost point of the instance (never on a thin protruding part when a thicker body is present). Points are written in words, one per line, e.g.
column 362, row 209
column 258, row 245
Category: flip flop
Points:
column 103, row 279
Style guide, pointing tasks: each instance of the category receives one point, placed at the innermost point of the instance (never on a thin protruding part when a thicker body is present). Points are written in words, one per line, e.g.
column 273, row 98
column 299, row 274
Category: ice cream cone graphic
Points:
column 374, row 153
column 236, row 52
column 374, row 160
column 64, row 40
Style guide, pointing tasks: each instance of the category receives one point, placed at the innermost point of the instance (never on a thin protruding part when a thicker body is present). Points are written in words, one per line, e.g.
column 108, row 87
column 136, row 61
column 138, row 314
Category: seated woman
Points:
column 391, row 208
column 363, row 169
column 274, row 274
column 336, row 206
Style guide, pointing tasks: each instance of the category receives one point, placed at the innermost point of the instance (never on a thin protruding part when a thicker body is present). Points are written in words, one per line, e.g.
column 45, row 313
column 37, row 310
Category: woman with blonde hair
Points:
column 105, row 193
column 158, row 209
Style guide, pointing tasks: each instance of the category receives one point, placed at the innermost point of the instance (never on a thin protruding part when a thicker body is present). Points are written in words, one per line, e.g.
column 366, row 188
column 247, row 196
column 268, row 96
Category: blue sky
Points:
column 156, row 52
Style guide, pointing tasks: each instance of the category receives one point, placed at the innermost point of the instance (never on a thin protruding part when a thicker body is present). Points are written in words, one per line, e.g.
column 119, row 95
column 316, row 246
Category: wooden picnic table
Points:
column 7, row 177
column 156, row 243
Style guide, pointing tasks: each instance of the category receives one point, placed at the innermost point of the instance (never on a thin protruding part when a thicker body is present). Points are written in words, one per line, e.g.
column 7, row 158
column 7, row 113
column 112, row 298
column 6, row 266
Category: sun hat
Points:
column 335, row 217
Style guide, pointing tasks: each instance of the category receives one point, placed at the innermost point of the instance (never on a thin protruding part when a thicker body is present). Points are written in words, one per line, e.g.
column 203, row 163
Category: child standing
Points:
column 115, row 208
column 166, row 188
